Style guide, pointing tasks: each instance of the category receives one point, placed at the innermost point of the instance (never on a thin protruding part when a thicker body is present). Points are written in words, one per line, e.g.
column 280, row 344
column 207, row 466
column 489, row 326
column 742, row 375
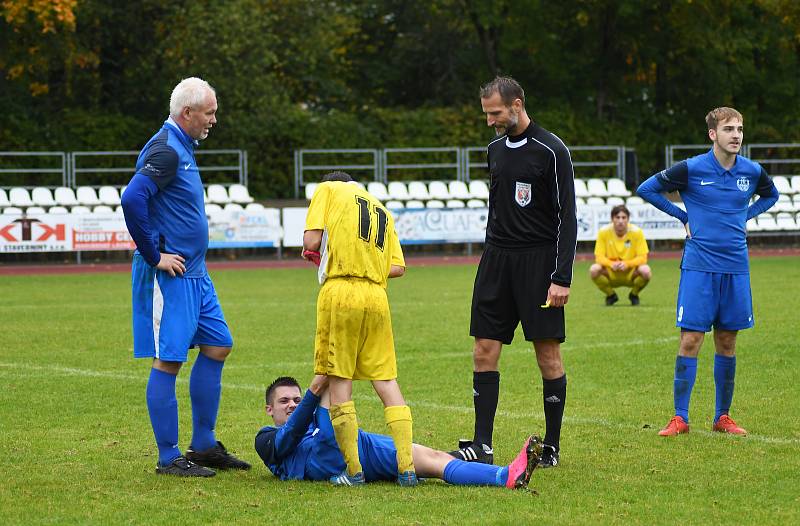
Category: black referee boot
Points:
column 470, row 452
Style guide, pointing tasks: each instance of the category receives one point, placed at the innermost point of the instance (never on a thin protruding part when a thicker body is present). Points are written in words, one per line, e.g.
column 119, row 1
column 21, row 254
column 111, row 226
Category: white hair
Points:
column 189, row 92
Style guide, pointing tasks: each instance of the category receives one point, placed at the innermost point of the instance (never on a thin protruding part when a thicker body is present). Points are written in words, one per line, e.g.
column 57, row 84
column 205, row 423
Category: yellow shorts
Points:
column 621, row 279
column 354, row 331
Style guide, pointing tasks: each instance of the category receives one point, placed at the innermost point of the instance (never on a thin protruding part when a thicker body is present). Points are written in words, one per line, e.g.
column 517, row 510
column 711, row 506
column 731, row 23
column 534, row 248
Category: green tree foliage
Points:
column 91, row 74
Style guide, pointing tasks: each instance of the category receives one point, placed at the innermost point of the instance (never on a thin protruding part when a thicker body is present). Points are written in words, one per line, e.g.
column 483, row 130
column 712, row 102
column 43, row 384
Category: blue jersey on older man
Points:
column 163, row 203
column 717, row 208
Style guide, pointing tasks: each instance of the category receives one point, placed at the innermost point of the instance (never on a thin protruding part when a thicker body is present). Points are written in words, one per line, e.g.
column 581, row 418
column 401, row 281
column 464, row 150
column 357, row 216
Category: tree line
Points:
column 96, row 75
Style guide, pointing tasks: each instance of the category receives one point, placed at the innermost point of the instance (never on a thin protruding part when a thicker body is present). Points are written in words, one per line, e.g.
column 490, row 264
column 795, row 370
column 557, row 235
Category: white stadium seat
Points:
column 4, row 198
column 614, row 201
column 634, row 200
column 438, row 190
column 415, row 203
column 20, row 197
column 58, row 209
column 595, row 201
column 784, row 204
column 459, row 190
column 418, row 190
column 795, row 184
column 479, row 189
column 108, row 195
column 80, row 210
column 398, row 191
column 218, row 194
column 616, row 187
column 782, row 184
column 580, row 201
column 785, row 221
column 103, row 209
column 378, row 191
column 476, row 203
column 213, row 208
column 796, row 202
column 87, row 196
column 12, row 210
column 434, row 203
column 393, row 205
column 454, row 203
column 236, row 207
column 767, row 222
column 597, row 187
column 752, row 225
column 118, row 211
column 310, row 188
column 580, row 188
column 35, row 210
column 239, row 194
column 65, row 196
column 42, row 197
column 254, row 207
column 359, row 184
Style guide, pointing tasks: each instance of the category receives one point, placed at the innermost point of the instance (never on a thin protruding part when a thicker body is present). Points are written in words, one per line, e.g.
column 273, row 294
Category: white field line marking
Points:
column 12, row 370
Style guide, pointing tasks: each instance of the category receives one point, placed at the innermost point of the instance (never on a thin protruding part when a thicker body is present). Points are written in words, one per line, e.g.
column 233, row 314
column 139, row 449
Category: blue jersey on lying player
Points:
column 302, row 446
column 717, row 208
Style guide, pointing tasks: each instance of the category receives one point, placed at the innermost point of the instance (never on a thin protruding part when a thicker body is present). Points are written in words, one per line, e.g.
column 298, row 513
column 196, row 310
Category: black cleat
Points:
column 469, row 452
column 610, row 300
column 216, row 457
column 549, row 457
column 634, row 299
column 181, row 467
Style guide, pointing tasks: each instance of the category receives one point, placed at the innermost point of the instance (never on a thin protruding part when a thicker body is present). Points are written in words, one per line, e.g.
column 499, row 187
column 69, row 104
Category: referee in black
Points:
column 526, row 268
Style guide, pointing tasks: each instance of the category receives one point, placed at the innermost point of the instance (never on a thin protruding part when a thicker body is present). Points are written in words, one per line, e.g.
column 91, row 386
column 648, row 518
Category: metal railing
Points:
column 61, row 166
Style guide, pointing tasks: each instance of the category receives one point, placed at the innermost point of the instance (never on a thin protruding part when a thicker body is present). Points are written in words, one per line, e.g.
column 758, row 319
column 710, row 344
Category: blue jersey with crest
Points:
column 717, row 208
column 163, row 204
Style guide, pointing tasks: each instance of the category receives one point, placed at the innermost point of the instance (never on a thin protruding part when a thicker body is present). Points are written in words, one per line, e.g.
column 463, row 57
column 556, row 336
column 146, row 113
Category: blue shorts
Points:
column 170, row 315
column 378, row 456
column 707, row 299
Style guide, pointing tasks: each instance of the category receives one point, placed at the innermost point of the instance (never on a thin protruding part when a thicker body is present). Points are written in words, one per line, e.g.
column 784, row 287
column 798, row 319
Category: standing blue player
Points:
column 175, row 306
column 714, row 290
column 302, row 446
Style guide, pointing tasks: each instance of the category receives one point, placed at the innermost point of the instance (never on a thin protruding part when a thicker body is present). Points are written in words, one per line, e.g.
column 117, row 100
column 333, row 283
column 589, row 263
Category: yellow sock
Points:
column 345, row 427
column 603, row 284
column 638, row 284
column 398, row 420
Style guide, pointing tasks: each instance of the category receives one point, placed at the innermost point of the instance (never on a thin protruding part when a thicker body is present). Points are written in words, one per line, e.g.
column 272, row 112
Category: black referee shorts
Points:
column 510, row 287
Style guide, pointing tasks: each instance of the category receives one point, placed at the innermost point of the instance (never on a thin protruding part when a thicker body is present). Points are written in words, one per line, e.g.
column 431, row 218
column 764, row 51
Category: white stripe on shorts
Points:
column 158, row 309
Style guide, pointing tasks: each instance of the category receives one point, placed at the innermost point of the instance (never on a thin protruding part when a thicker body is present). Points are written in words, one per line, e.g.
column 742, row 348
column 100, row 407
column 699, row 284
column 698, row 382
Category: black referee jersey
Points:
column 532, row 196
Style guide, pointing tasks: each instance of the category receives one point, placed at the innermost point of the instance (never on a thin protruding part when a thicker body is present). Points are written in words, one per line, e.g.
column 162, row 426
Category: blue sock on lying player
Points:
column 685, row 374
column 163, row 408
column 205, row 389
column 463, row 473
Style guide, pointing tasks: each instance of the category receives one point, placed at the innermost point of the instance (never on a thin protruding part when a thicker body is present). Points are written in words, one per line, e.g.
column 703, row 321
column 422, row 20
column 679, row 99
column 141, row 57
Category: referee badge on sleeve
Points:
column 523, row 193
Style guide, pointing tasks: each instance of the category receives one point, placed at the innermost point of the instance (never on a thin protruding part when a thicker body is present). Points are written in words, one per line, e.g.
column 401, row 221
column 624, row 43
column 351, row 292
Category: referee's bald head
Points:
column 508, row 88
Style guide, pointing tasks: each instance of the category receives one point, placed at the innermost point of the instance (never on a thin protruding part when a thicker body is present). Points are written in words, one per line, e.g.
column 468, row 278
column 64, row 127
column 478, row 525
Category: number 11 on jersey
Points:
column 365, row 222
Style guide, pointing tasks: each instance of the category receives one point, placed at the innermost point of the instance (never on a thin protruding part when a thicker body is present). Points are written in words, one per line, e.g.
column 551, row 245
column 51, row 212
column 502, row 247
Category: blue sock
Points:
column 205, row 388
column 474, row 474
column 163, row 408
column 724, row 373
column 685, row 373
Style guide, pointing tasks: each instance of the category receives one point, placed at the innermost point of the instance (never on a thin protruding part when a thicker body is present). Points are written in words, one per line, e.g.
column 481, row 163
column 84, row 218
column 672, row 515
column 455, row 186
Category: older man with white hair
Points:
column 175, row 306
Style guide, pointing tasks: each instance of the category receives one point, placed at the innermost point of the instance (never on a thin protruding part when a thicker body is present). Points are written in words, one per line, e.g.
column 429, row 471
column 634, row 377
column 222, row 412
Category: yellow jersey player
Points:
column 620, row 254
column 357, row 250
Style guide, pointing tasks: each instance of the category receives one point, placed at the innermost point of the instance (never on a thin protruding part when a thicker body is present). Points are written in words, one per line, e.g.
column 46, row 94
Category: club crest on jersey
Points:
column 523, row 193
column 743, row 183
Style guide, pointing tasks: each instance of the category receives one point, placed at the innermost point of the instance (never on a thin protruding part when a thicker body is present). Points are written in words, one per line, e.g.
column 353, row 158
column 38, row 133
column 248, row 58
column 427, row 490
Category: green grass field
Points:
column 78, row 448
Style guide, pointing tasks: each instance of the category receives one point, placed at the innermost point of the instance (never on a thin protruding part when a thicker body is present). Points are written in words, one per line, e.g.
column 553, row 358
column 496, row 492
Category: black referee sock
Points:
column 555, row 395
column 485, row 393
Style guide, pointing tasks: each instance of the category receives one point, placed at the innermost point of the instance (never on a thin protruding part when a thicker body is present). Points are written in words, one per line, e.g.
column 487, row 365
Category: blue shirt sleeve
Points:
column 768, row 196
column 273, row 444
column 160, row 164
column 670, row 180
column 137, row 216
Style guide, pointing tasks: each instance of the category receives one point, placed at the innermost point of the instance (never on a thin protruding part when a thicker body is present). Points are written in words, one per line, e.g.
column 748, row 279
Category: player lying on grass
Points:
column 302, row 446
